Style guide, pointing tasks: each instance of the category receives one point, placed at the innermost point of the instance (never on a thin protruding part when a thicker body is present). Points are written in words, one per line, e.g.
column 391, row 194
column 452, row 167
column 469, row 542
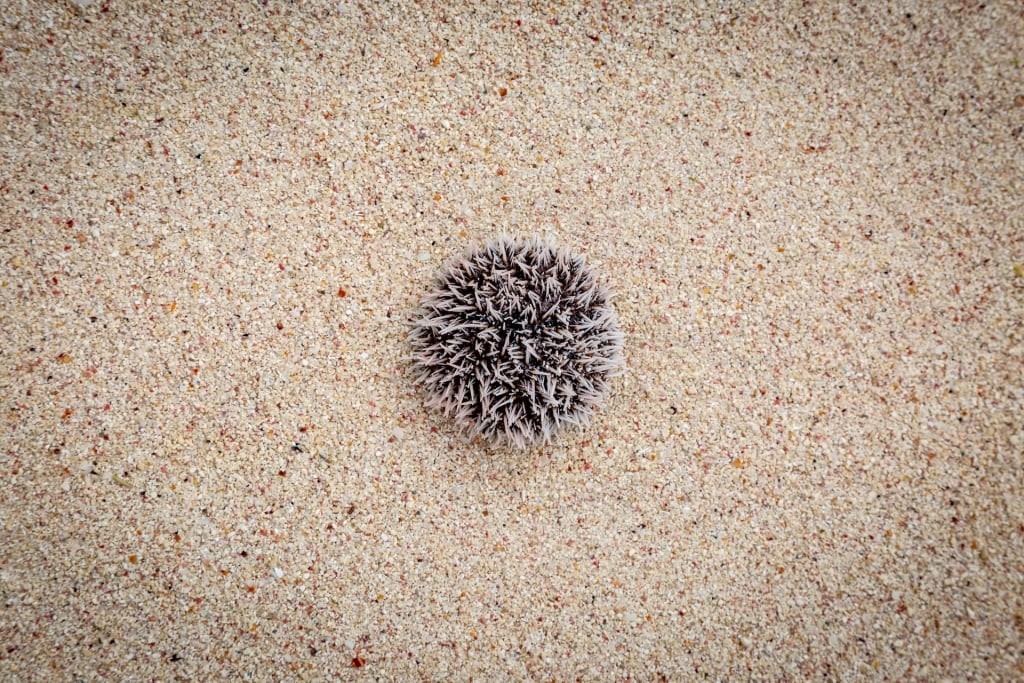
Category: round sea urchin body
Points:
column 515, row 341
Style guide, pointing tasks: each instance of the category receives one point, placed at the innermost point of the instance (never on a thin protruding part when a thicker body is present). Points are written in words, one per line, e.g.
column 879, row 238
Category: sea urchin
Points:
column 516, row 340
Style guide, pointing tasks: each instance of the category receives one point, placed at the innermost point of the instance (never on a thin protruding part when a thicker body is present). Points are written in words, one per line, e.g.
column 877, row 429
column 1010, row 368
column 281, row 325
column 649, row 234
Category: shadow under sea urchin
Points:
column 515, row 341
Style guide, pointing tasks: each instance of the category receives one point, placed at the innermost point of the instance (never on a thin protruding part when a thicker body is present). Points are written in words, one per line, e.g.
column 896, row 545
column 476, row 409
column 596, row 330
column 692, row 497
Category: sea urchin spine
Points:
column 516, row 340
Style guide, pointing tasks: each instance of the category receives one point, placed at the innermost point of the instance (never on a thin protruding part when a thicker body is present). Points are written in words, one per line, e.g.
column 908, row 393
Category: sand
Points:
column 217, row 219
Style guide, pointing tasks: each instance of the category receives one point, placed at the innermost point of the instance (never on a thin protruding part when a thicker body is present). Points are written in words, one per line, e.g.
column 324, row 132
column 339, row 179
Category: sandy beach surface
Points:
column 217, row 218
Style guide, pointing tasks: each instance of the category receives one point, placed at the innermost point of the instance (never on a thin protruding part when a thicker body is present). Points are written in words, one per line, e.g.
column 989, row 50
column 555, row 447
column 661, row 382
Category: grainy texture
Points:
column 216, row 219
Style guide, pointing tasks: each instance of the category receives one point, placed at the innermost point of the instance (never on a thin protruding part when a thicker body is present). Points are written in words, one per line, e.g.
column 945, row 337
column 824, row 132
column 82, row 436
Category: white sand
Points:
column 215, row 466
